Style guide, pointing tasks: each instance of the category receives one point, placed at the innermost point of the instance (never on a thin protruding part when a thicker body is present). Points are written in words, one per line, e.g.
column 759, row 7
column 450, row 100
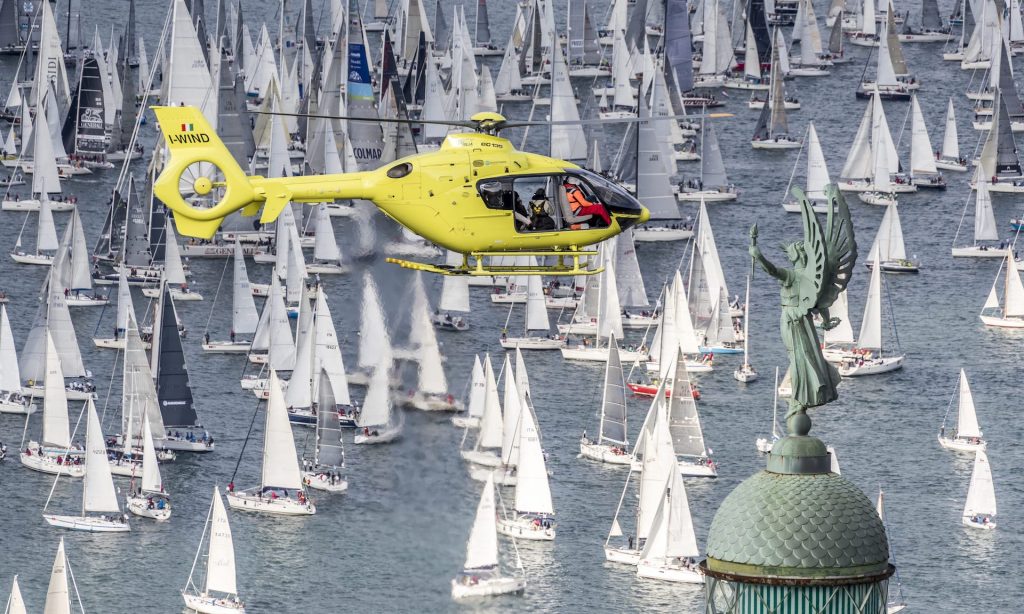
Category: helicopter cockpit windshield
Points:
column 576, row 200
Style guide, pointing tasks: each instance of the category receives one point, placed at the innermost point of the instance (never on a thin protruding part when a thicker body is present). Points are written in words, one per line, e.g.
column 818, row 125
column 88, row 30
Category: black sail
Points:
column 172, row 386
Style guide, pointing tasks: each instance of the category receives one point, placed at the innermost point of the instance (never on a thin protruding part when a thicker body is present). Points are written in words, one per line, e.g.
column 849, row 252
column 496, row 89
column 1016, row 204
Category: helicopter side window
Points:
column 582, row 207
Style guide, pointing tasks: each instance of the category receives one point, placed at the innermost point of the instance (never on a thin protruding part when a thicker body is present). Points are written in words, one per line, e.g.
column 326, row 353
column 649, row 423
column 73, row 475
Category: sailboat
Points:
column 150, row 500
column 377, row 422
column 220, row 593
column 58, row 593
column 477, row 390
column 931, row 31
column 864, row 360
column 612, row 443
column 327, row 258
column 515, row 403
column 1007, row 311
column 670, row 552
column 657, row 464
column 98, row 494
column 12, row 401
column 454, row 299
column 536, row 320
column 817, row 176
column 713, row 184
column 764, row 444
column 896, row 602
column 125, row 305
column 46, row 239
column 684, row 426
column 746, row 373
column 281, row 488
column 15, row 602
column 772, row 129
column 887, row 84
column 949, row 157
column 532, row 515
column 323, row 471
column 968, row 436
column 54, row 453
column 999, row 161
column 609, row 319
column 481, row 574
column 173, row 274
column 431, row 392
column 984, row 227
column 653, row 186
column 888, row 246
column 712, row 313
column 860, row 166
column 374, row 341
column 882, row 191
column 924, row 173
column 244, row 318
column 812, row 61
column 980, row 507
column 490, row 422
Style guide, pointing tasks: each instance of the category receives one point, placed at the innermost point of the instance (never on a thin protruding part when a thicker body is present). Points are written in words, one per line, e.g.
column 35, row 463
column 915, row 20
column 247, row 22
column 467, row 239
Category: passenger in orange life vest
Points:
column 581, row 205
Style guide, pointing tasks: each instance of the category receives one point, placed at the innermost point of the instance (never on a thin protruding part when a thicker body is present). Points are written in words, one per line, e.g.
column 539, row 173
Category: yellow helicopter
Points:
column 477, row 195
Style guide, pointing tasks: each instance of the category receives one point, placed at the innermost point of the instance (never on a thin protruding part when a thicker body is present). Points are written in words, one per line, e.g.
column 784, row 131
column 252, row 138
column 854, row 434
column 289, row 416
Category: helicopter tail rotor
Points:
column 201, row 181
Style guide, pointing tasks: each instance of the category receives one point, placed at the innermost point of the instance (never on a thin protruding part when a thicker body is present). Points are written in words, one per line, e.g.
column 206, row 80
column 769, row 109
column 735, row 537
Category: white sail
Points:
column 281, row 353
column 512, row 419
column 666, row 340
column 922, row 156
column 886, row 74
column 871, row 326
column 817, row 171
column 684, row 321
column 139, row 401
column 300, row 386
column 10, row 373
column 533, row 493
column 125, row 305
column 981, row 494
column 536, row 308
column 280, row 463
column 45, row 176
column 50, row 71
column 477, row 389
column 482, row 548
column 843, row 332
column 659, row 461
column 683, row 418
column 858, row 160
column 751, row 63
column 522, row 377
column 187, row 77
column 56, row 432
column 984, row 218
column 46, row 231
column 16, row 603
column 220, row 562
column 174, row 272
column 624, row 93
column 888, row 245
column 454, row 288
column 568, row 141
column 613, row 401
column 244, row 318
column 880, row 154
column 610, row 320
column 672, row 534
column 325, row 245
column 950, row 140
column 491, row 428
column 374, row 342
column 967, row 417
column 327, row 355
column 1013, row 297
column 98, row 494
column 151, row 480
column 376, row 410
column 430, row 365
column 58, row 597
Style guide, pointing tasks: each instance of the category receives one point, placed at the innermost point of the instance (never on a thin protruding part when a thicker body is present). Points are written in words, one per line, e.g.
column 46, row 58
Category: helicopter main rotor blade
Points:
column 388, row 120
column 621, row 120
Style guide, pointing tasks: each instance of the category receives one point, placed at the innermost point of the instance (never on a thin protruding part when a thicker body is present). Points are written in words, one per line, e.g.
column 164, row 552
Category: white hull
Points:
column 176, row 293
column 744, row 375
column 432, row 402
column 1002, row 322
column 226, row 347
column 621, row 555
column 691, row 365
column 110, row 343
column 670, row 573
column 48, row 464
column 71, row 393
column 487, row 587
column 320, row 481
column 708, row 196
column 807, row 72
column 140, row 507
column 986, row 526
column 978, row 251
column 652, row 234
column 92, row 524
column 532, row 343
column 466, row 422
column 1006, row 187
column 183, row 445
column 36, row 259
column 961, row 445
column 739, row 84
column 205, row 604
column 874, row 366
column 600, row 354
column 280, row 506
column 925, row 37
column 327, row 268
column 126, row 468
column 523, row 527
column 690, row 469
column 505, row 298
column 863, row 186
column 14, row 404
column 605, row 453
column 777, row 143
column 951, row 166
column 384, row 435
column 33, row 205
column 483, row 458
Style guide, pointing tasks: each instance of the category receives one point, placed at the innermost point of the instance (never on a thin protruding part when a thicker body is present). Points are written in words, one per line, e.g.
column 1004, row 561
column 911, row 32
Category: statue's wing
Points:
column 812, row 276
column 840, row 248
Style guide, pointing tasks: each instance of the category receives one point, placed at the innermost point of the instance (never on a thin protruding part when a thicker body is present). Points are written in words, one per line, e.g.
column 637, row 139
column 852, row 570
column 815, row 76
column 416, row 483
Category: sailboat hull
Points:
column 384, row 435
column 525, row 527
column 140, row 507
column 14, row 403
column 969, row 522
column 777, row 143
column 873, row 366
column 951, row 165
column 227, row 347
column 537, row 343
column 605, row 453
column 281, row 506
column 624, row 556
column 1007, row 187
column 466, row 422
column 48, row 464
column 1002, row 322
column 176, row 293
column 600, row 354
column 91, row 524
column 327, row 268
column 86, row 301
column 655, row 234
column 481, row 457
column 433, row 402
column 205, row 604
column 691, row 469
column 36, row 259
column 669, row 573
column 708, row 196
column 179, row 444
column 487, row 587
column 33, row 205
column 978, row 251
column 318, row 480
column 109, row 343
column 962, row 445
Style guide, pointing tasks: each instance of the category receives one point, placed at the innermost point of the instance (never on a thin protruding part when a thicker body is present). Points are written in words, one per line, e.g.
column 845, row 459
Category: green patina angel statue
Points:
column 822, row 265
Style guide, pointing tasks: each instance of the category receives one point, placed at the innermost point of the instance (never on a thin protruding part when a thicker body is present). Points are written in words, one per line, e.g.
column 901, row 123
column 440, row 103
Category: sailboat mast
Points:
column 746, row 325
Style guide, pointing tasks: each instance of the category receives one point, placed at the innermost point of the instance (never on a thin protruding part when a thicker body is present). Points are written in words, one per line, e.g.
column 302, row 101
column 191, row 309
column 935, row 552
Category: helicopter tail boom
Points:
column 202, row 183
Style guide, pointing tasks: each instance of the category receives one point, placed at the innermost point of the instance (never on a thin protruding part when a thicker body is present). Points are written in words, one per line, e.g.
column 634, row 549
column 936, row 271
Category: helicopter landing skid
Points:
column 568, row 264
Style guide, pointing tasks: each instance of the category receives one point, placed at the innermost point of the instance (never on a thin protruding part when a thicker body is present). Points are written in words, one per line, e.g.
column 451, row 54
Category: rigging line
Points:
column 217, row 294
column 67, row 452
column 245, row 442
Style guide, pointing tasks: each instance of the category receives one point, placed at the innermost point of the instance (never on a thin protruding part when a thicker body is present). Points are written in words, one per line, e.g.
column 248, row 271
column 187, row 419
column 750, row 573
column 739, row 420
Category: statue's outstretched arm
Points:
column 755, row 253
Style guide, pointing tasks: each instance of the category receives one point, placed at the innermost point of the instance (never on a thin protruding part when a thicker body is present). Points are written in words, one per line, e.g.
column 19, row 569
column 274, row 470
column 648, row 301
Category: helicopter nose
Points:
column 645, row 215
